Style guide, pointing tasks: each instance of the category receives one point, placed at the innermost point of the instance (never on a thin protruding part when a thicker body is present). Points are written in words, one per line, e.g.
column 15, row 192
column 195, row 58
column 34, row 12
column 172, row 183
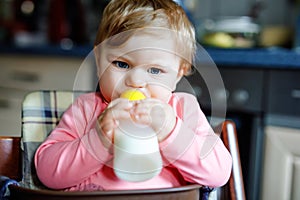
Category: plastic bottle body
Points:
column 136, row 152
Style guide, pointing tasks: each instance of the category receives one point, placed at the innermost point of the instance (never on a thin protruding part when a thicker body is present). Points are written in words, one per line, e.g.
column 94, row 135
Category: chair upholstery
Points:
column 41, row 112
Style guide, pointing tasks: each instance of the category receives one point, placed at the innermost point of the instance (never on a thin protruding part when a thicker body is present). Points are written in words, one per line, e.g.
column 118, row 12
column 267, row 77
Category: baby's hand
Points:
column 159, row 115
column 109, row 119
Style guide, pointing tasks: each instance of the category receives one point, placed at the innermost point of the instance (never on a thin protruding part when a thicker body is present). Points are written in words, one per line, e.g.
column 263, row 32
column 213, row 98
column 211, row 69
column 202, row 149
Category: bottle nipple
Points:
column 133, row 95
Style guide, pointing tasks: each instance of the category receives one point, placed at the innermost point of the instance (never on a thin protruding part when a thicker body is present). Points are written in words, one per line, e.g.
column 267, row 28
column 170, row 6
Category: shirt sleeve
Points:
column 73, row 151
column 193, row 148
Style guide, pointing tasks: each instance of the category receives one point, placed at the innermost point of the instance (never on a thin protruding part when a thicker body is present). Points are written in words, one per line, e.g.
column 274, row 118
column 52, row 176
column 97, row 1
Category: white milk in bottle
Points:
column 136, row 150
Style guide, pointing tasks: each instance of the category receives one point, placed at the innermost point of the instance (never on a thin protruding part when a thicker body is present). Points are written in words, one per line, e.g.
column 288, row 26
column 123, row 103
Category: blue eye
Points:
column 121, row 64
column 154, row 70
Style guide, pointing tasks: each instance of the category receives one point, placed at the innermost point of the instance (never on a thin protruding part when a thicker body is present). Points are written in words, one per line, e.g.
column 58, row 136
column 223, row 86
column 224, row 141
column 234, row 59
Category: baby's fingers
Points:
column 120, row 103
column 142, row 118
column 117, row 109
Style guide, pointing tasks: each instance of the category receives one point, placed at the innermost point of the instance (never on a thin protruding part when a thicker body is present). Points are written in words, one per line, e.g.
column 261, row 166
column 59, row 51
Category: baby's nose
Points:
column 136, row 78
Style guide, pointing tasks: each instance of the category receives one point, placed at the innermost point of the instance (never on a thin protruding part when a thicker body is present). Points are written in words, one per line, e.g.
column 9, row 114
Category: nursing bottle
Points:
column 136, row 150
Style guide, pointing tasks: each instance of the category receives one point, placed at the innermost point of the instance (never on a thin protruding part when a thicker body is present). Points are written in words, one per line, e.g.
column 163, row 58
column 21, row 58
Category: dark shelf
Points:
column 48, row 50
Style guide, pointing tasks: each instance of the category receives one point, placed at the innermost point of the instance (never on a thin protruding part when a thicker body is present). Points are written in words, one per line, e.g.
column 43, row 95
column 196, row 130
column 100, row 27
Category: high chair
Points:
column 41, row 112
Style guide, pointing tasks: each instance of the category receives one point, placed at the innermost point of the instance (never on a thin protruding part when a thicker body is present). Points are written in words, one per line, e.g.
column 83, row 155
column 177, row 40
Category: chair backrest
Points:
column 41, row 112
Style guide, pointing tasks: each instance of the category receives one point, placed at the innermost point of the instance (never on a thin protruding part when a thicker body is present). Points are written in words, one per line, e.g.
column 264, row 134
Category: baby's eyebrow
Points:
column 154, row 65
column 164, row 66
column 112, row 57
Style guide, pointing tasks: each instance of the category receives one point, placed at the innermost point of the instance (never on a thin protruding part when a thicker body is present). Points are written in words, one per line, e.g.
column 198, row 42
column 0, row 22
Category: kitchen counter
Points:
column 256, row 57
column 259, row 58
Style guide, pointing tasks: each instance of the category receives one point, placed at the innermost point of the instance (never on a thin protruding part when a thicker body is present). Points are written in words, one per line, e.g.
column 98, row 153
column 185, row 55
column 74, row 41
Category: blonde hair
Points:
column 124, row 15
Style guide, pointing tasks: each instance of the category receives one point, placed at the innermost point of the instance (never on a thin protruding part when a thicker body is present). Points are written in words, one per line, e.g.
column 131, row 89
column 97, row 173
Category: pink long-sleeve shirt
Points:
column 74, row 158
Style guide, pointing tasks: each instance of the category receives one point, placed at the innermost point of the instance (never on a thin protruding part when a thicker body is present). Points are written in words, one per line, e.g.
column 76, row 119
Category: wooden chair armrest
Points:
column 10, row 154
column 234, row 189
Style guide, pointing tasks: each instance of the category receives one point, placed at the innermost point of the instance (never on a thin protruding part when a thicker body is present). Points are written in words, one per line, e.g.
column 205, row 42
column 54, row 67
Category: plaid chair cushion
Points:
column 41, row 112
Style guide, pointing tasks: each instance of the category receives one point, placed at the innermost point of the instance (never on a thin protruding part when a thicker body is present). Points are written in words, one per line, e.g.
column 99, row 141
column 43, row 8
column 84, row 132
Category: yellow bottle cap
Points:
column 133, row 95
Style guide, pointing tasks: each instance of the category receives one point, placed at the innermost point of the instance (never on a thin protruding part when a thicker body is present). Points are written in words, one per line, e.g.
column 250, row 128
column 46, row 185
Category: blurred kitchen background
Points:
column 254, row 43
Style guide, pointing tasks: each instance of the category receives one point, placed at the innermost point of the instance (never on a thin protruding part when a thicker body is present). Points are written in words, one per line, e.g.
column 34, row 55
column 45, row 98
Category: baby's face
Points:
column 145, row 62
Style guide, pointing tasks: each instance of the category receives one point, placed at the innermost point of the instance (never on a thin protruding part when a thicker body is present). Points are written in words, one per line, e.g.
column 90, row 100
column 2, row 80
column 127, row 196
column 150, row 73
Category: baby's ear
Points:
column 184, row 69
column 180, row 74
